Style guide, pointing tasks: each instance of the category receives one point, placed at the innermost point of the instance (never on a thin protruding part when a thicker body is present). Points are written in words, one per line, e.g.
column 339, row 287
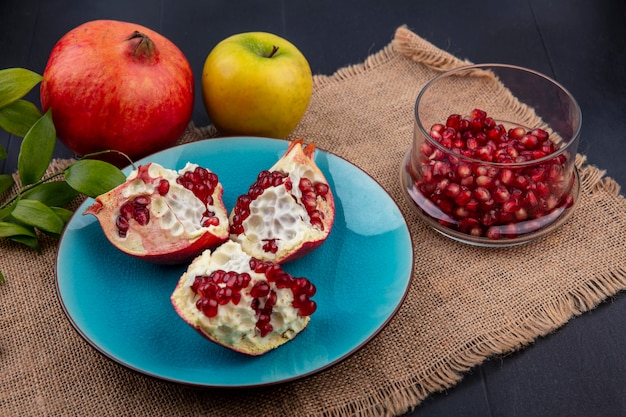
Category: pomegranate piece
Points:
column 288, row 211
column 243, row 303
column 514, row 196
column 164, row 216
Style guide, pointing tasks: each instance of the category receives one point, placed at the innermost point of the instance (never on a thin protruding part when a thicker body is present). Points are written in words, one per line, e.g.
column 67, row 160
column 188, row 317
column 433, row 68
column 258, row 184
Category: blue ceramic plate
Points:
column 121, row 305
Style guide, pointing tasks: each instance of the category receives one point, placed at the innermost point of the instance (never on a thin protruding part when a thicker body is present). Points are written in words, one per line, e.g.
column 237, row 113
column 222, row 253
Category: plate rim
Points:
column 179, row 381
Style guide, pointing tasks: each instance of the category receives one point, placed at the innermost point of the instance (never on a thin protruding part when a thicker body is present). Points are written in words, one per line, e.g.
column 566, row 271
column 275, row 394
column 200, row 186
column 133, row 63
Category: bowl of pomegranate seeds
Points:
column 492, row 161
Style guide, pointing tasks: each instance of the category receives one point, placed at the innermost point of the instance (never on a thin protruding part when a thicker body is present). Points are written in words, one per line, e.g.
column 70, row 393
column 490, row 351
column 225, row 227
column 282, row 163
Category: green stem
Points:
column 29, row 187
column 89, row 155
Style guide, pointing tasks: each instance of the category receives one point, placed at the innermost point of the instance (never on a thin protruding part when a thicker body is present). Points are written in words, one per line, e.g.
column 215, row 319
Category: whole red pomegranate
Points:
column 288, row 211
column 162, row 215
column 116, row 85
column 242, row 303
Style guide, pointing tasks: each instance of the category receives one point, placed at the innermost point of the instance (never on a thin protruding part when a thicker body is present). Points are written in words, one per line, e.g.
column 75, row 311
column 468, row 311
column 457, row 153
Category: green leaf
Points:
column 6, row 181
column 18, row 117
column 2, row 279
column 64, row 214
column 36, row 150
column 31, row 242
column 3, row 153
column 93, row 177
column 15, row 83
column 6, row 211
column 8, row 229
column 37, row 214
column 55, row 193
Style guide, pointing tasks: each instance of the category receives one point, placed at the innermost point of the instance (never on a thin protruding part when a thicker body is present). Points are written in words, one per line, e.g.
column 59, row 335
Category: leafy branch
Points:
column 38, row 206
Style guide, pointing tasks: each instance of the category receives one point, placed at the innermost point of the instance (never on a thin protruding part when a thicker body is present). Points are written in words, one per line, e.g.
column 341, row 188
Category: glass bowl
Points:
column 492, row 162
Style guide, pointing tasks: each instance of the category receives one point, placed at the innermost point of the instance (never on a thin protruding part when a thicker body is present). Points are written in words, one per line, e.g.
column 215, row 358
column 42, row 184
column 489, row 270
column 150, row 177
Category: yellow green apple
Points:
column 256, row 84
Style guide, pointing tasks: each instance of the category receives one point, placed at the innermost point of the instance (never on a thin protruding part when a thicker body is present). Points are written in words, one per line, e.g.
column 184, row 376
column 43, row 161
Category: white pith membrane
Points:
column 176, row 216
column 277, row 215
column 235, row 325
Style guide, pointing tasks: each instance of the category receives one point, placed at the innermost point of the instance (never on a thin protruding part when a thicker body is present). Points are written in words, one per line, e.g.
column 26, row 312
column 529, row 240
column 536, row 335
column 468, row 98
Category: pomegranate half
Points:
column 288, row 211
column 242, row 303
column 164, row 216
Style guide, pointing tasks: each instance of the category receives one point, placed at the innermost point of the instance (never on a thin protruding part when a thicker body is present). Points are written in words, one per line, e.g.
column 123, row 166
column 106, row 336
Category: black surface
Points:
column 580, row 370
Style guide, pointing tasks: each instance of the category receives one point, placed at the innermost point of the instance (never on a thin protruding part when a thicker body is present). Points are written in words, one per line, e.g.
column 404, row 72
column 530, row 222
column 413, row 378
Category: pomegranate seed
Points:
column 464, row 170
column 517, row 132
column 478, row 114
column 321, row 189
column 454, row 121
column 163, row 187
column 494, row 233
column 501, row 194
column 272, row 272
column 438, row 127
column 211, row 221
column 521, row 182
column 208, row 306
column 257, row 265
column 540, row 134
column 463, row 198
column 307, row 308
column 472, row 205
column 284, row 281
column 476, row 124
column 510, row 206
column 461, row 212
column 529, row 141
column 482, row 194
column 453, row 190
column 484, row 181
column 127, row 210
column 142, row 215
column 436, row 135
column 265, row 329
column 260, row 289
column 141, row 200
column 270, row 246
column 122, row 223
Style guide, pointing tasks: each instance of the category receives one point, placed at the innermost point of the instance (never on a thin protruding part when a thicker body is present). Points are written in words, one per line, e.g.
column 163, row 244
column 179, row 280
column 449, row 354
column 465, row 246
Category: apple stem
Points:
column 143, row 49
column 274, row 50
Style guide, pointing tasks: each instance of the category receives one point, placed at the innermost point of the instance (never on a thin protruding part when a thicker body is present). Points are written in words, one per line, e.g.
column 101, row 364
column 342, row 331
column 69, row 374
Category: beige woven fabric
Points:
column 464, row 303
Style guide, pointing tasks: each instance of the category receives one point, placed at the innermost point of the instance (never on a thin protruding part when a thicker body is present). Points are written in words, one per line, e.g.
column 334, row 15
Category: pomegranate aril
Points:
column 265, row 329
column 122, row 223
column 211, row 221
column 260, row 289
column 454, row 121
column 517, row 132
column 307, row 308
column 478, row 114
column 163, row 187
column 463, row 198
column 529, row 141
column 208, row 306
column 482, row 194
column 270, row 245
column 141, row 201
column 142, row 215
column 540, row 134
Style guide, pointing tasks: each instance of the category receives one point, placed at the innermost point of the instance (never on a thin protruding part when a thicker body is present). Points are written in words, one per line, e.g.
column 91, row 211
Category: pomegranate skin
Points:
column 116, row 85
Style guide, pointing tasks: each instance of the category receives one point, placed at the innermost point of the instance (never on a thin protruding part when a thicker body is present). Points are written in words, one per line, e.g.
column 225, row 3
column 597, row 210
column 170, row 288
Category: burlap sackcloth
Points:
column 464, row 304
